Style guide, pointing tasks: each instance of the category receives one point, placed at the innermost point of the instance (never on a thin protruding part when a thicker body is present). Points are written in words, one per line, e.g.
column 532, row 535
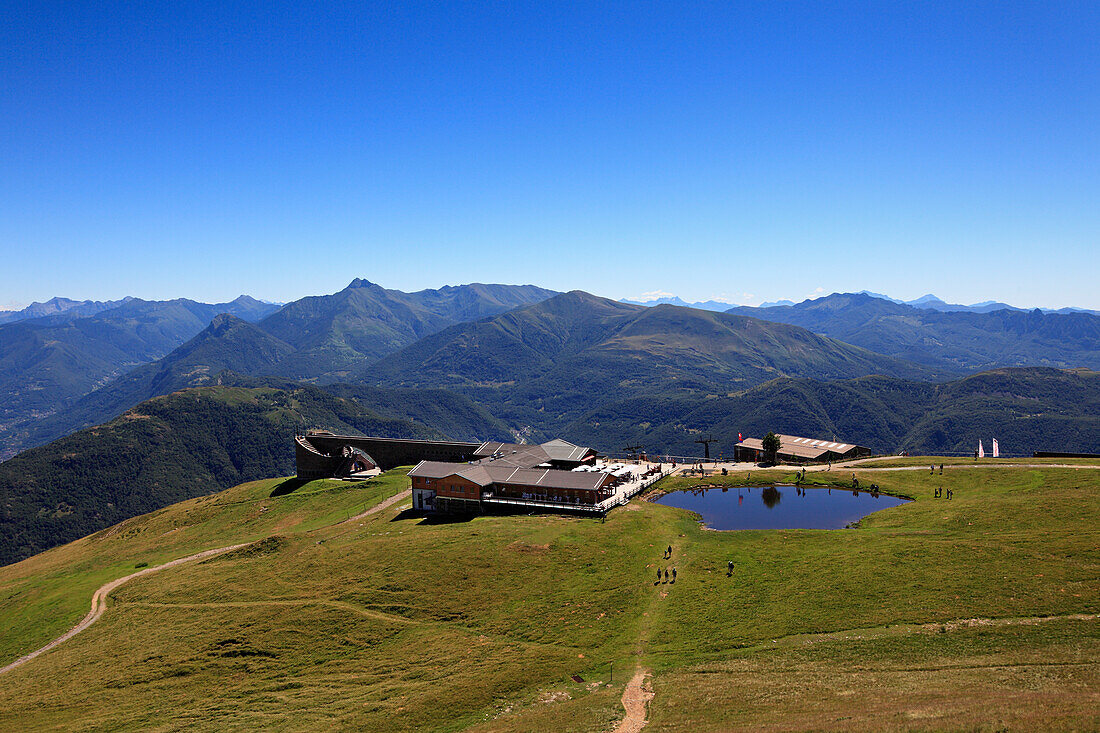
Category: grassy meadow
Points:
column 926, row 616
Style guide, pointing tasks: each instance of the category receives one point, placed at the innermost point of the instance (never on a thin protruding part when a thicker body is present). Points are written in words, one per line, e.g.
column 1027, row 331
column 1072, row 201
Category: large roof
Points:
column 530, row 456
column 793, row 445
column 497, row 473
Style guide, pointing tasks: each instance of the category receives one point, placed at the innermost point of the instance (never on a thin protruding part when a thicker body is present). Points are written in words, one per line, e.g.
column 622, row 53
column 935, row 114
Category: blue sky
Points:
column 745, row 151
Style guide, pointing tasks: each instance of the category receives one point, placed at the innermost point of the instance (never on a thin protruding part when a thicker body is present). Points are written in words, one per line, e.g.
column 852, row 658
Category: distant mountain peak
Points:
column 360, row 282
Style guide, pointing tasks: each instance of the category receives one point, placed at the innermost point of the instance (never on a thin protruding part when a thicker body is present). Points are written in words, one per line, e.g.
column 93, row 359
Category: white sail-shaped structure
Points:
column 981, row 449
column 996, row 448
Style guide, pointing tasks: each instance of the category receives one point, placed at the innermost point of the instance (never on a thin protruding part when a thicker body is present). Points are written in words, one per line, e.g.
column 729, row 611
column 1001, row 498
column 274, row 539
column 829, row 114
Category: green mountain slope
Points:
column 185, row 444
column 1027, row 409
column 546, row 364
column 959, row 341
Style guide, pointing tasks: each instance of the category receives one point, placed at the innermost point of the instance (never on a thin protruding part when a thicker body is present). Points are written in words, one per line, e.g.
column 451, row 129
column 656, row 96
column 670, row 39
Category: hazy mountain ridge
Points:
column 957, row 341
column 61, row 307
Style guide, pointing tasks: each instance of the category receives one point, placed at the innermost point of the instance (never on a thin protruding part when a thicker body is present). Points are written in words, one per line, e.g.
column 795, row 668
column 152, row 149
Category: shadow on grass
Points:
column 426, row 518
column 288, row 487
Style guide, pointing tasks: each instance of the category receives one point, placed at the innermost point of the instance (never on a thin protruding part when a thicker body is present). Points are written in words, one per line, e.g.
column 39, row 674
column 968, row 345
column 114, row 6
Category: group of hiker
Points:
column 664, row 573
column 934, row 469
column 939, row 493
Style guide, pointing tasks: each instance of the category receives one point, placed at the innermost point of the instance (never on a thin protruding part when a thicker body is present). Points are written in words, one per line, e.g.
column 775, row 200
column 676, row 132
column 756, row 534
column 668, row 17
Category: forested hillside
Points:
column 1027, row 409
column 170, row 448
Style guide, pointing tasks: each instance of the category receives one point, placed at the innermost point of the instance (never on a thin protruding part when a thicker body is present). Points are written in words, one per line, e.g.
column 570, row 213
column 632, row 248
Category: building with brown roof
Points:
column 796, row 449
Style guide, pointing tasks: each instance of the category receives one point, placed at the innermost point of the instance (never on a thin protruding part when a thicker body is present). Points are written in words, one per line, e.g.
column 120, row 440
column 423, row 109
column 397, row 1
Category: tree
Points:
column 770, row 443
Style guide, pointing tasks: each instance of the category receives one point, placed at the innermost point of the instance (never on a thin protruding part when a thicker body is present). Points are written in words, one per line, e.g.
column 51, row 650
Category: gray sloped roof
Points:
column 484, row 475
column 529, row 456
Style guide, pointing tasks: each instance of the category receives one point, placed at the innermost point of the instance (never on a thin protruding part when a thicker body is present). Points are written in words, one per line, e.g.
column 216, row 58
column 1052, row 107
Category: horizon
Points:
column 641, row 299
column 744, row 154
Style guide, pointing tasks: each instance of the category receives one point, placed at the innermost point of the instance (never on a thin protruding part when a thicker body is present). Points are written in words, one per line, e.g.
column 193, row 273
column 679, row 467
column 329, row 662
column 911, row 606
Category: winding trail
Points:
column 99, row 601
column 99, row 598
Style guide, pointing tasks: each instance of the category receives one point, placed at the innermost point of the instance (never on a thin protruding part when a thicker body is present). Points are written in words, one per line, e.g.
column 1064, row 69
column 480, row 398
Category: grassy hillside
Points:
column 186, row 444
column 545, row 365
column 390, row 622
column 959, row 341
column 1026, row 409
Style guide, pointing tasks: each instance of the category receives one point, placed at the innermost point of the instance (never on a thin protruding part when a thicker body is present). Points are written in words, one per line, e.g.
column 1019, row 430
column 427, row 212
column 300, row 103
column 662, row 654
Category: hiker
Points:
column 666, row 575
column 674, row 575
column 729, row 568
column 670, row 550
column 949, row 492
column 933, row 468
column 941, row 469
column 658, row 576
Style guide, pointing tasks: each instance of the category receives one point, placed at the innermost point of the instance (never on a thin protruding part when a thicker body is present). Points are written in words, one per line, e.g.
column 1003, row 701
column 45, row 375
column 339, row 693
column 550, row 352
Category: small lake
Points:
column 779, row 507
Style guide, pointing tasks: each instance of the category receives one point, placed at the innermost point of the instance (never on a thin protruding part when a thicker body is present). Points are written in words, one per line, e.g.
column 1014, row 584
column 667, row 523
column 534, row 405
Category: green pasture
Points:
column 395, row 622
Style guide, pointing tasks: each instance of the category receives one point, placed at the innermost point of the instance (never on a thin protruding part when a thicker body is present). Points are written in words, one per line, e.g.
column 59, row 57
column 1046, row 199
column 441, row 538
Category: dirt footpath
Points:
column 636, row 696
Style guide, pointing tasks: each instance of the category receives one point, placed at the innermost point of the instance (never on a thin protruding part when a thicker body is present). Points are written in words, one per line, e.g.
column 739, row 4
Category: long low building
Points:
column 321, row 454
column 467, row 488
column 796, row 449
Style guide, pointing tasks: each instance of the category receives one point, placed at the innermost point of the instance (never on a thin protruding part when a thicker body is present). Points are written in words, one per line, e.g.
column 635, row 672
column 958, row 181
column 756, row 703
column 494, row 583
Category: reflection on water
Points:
column 809, row 508
column 771, row 497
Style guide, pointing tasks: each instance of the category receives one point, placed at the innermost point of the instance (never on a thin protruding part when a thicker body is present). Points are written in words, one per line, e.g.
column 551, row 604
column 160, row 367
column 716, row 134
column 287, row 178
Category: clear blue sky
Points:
column 752, row 151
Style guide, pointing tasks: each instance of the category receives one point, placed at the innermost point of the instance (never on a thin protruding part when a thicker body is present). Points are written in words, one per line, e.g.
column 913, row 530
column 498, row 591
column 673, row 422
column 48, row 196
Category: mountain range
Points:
column 543, row 365
column 56, row 377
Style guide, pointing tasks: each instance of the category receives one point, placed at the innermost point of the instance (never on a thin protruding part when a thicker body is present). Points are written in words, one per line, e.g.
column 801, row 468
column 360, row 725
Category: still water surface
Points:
column 779, row 507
